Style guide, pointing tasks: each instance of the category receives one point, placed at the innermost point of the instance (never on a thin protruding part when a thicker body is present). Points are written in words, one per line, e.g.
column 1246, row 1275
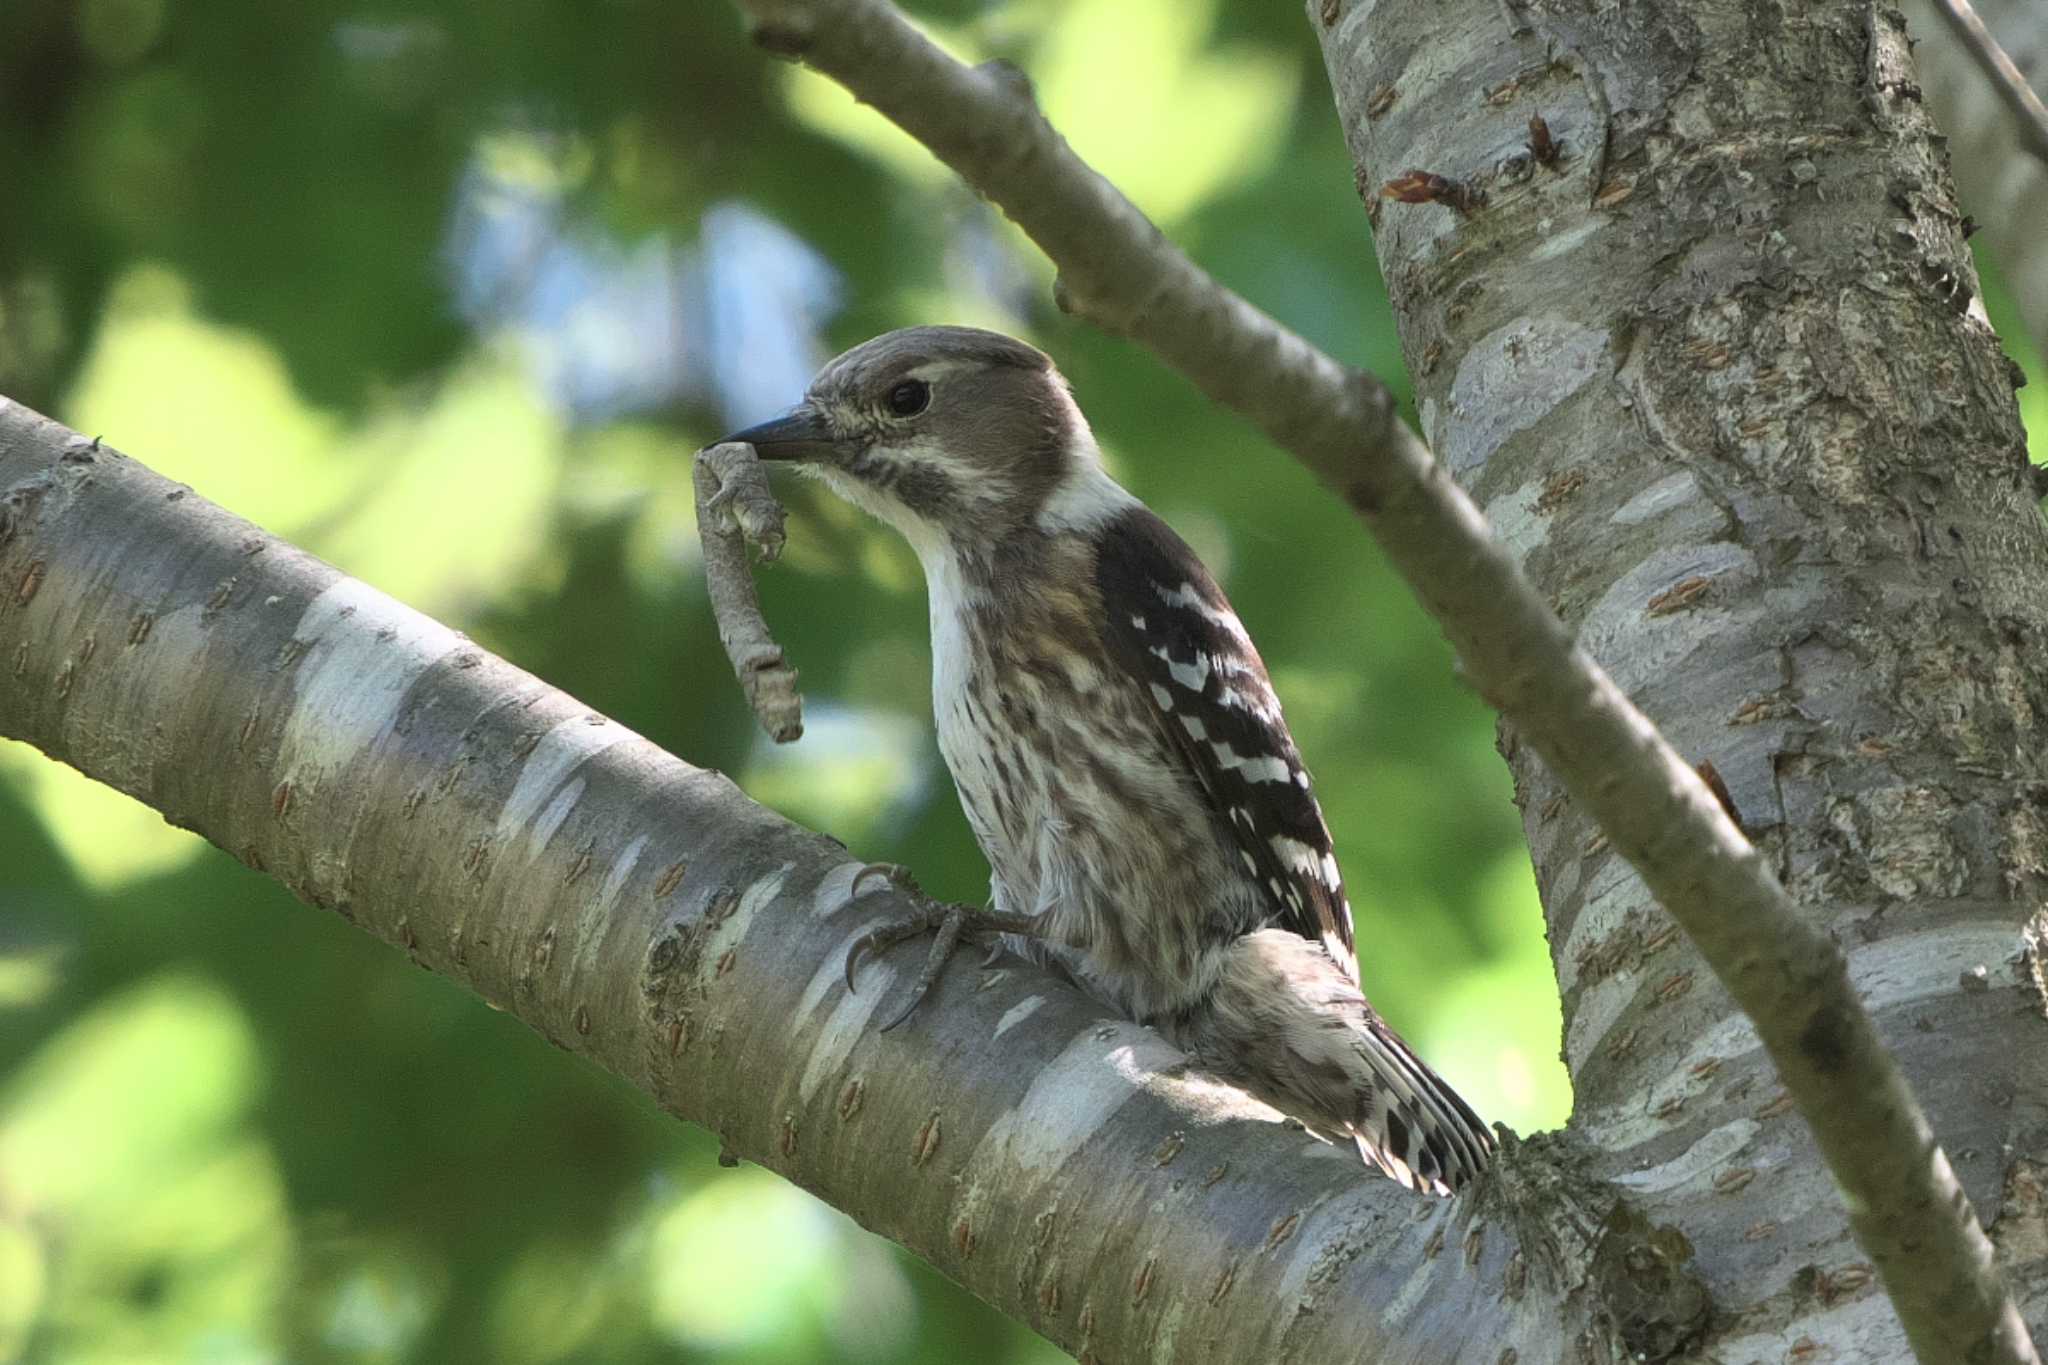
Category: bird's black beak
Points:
column 800, row 434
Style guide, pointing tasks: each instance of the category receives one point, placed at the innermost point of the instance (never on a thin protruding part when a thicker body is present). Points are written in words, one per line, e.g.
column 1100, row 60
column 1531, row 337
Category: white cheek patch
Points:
column 1085, row 496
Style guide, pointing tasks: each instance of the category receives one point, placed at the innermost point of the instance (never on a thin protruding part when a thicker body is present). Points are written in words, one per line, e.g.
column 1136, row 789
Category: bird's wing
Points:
column 1171, row 628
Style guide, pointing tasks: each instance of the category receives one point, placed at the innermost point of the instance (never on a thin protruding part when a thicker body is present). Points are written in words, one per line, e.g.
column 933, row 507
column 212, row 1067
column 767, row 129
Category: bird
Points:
column 1116, row 743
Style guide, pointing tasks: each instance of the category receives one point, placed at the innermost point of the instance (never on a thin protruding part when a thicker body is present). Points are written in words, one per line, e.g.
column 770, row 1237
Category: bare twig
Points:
column 1115, row 268
column 735, row 508
column 2003, row 187
column 2029, row 115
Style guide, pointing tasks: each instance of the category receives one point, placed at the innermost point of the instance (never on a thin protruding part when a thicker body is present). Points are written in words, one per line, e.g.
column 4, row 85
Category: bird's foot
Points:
column 946, row 923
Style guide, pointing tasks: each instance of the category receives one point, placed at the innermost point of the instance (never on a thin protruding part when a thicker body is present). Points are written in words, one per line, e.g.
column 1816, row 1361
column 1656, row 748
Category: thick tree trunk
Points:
column 1711, row 371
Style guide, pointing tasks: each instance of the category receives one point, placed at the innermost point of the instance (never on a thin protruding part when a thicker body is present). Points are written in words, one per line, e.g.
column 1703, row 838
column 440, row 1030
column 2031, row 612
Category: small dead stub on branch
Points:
column 736, row 508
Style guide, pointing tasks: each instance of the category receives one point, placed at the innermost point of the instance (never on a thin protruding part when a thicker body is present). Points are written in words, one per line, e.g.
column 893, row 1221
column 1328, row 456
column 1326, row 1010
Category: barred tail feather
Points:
column 1419, row 1130
column 1288, row 1023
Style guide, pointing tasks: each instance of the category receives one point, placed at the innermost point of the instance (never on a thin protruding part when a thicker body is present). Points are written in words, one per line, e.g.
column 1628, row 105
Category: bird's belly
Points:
column 1104, row 837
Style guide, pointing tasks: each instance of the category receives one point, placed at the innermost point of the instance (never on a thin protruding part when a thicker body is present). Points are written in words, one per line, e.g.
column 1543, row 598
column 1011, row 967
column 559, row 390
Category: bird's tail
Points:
column 1288, row 1023
column 1419, row 1130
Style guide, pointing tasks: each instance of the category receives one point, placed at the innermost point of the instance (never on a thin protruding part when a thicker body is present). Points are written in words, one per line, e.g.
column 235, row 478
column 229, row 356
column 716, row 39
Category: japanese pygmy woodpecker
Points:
column 1116, row 742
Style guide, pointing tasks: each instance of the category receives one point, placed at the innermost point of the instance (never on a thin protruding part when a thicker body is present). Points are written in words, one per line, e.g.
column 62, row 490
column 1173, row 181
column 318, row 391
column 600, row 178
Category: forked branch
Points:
column 1117, row 269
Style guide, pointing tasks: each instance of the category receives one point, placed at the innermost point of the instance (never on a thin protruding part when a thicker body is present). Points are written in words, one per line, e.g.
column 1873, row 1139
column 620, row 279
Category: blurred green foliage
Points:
column 448, row 293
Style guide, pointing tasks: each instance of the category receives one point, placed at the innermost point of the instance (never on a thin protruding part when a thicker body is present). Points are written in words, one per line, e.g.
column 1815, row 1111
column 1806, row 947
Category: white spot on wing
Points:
column 1294, row 851
column 1254, row 702
column 1194, row 676
column 1306, row 859
column 1254, row 768
column 1188, row 596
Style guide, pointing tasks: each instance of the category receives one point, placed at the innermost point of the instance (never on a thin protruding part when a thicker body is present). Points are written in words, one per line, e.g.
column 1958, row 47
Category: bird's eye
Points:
column 910, row 398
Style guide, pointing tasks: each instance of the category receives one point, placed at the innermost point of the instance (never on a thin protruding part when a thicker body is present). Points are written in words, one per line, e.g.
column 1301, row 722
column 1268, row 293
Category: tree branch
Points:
column 736, row 507
column 643, row 914
column 2005, row 189
column 1903, row 1201
column 2029, row 116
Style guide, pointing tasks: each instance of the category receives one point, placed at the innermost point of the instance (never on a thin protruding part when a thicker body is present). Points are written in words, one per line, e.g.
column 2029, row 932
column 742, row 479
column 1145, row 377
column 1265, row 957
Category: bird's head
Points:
column 953, row 435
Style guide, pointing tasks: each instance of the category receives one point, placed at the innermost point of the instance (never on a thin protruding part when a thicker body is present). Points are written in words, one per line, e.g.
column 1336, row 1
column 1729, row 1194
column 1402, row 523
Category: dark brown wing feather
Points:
column 1170, row 626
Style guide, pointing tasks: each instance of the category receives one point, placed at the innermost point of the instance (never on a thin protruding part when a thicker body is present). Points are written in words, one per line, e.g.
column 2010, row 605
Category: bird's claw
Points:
column 895, row 873
column 947, row 923
column 930, row 918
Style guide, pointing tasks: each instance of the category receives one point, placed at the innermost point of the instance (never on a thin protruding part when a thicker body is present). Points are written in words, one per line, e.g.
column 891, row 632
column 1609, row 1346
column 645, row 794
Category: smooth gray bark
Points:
column 1713, row 376
column 645, row 915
